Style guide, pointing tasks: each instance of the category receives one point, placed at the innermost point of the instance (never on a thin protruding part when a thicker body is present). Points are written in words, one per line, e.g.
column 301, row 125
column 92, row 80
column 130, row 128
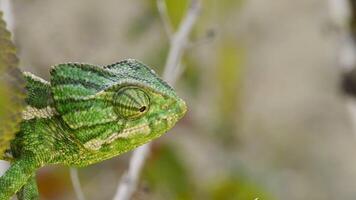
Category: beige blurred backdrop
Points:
column 266, row 120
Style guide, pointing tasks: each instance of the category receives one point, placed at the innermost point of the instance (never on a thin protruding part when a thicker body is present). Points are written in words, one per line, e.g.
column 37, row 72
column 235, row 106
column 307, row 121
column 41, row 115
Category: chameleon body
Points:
column 86, row 114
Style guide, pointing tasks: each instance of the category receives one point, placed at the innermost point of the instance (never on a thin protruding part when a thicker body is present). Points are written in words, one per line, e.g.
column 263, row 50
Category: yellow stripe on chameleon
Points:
column 31, row 112
column 95, row 144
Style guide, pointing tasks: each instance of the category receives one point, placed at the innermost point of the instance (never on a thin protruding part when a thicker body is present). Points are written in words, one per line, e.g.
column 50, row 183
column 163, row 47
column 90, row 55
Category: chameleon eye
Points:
column 131, row 102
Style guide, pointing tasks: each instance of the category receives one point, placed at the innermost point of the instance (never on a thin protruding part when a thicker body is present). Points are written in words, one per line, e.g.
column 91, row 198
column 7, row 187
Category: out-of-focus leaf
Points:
column 223, row 7
column 176, row 10
column 237, row 188
column 228, row 5
column 191, row 76
column 167, row 175
column 11, row 89
column 229, row 74
column 230, row 62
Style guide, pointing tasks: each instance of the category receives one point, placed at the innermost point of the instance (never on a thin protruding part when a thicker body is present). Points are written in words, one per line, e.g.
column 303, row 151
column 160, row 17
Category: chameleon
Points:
column 86, row 114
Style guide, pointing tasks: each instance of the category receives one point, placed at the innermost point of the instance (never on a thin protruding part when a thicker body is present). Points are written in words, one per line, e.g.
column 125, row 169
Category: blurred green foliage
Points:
column 169, row 178
column 237, row 188
column 191, row 79
column 176, row 11
column 229, row 73
column 11, row 89
column 167, row 175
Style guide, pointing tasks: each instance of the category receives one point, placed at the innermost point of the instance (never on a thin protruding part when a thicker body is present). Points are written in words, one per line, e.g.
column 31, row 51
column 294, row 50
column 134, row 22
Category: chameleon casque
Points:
column 86, row 114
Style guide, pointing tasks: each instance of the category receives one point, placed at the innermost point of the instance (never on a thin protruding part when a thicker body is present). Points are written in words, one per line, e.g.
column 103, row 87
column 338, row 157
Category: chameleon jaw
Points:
column 142, row 129
column 159, row 126
column 96, row 144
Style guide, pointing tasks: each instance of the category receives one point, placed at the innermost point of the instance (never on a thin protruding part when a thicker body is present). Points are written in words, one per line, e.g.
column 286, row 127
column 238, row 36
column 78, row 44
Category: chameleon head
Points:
column 115, row 108
column 146, row 113
column 147, row 109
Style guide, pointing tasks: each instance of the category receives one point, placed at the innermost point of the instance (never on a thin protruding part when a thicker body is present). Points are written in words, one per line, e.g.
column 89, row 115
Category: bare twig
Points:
column 129, row 181
column 76, row 184
column 179, row 41
column 162, row 10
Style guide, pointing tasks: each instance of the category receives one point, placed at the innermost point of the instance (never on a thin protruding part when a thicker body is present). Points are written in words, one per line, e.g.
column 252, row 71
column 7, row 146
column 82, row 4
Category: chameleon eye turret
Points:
column 131, row 102
column 87, row 114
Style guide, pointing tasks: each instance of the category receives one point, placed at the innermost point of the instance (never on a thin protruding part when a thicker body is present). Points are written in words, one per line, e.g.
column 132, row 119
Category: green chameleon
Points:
column 84, row 115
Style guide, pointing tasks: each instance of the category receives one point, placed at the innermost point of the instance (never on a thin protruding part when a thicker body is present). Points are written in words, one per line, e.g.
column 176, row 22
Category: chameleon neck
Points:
column 52, row 141
column 48, row 138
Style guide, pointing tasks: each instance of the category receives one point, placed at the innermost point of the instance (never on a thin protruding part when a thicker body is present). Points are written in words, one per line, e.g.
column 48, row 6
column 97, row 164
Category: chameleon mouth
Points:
column 176, row 112
column 182, row 108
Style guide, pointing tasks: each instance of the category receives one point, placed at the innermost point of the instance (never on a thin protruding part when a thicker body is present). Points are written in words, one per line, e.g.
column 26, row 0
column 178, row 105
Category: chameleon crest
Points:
column 86, row 114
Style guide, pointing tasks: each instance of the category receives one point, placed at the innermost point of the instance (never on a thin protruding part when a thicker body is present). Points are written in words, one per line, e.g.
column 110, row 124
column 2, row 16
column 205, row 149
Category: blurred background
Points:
column 268, row 117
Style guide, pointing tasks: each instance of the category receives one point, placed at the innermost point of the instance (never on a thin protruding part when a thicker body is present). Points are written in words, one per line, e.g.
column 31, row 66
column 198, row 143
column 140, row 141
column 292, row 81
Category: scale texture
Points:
column 86, row 114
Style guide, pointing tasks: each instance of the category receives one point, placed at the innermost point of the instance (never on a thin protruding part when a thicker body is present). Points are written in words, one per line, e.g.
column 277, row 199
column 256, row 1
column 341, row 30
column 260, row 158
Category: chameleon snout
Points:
column 181, row 108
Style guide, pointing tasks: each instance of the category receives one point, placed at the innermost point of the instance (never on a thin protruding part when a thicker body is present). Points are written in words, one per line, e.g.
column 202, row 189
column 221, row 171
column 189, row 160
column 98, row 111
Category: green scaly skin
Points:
column 84, row 115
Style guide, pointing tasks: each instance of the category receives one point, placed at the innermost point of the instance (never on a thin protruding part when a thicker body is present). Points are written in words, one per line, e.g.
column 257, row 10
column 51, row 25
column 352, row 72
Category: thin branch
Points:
column 179, row 41
column 76, row 183
column 178, row 72
column 129, row 181
column 162, row 10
